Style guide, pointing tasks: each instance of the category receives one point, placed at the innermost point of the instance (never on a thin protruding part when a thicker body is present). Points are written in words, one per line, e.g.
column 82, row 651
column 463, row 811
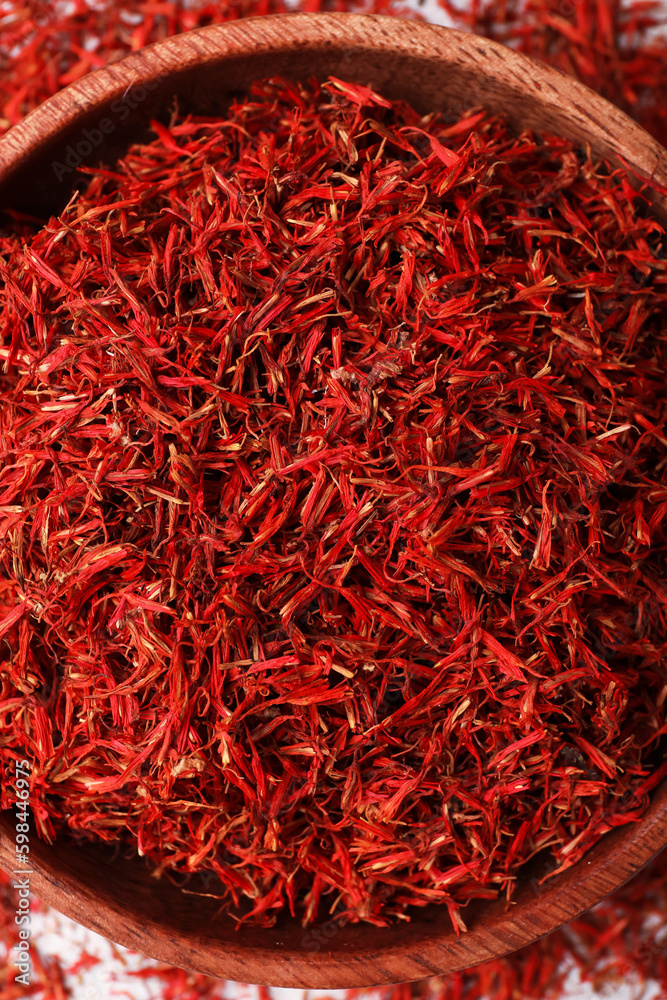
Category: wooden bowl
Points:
column 434, row 69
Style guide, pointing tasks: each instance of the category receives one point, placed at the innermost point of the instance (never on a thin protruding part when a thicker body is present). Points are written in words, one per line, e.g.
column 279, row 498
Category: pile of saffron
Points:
column 332, row 486
column 611, row 46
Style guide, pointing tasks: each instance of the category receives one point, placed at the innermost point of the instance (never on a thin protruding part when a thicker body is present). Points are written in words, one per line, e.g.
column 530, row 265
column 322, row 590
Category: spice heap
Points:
column 333, row 498
column 35, row 64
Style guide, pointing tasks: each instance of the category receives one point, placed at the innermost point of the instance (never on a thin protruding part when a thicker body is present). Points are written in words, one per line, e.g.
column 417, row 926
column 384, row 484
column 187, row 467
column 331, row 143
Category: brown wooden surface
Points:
column 121, row 900
column 434, row 69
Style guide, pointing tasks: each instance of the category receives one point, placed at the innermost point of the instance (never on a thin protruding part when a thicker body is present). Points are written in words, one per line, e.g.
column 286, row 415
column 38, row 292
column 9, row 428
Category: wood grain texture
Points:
column 120, row 899
column 433, row 68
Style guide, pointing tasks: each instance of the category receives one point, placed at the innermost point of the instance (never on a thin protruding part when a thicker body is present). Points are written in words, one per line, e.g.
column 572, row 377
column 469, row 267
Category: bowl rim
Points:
column 355, row 959
column 116, row 898
column 599, row 119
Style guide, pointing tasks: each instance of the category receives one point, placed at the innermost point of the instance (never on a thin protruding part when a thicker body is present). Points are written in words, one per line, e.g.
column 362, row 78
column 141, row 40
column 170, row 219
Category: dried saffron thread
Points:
column 333, row 499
